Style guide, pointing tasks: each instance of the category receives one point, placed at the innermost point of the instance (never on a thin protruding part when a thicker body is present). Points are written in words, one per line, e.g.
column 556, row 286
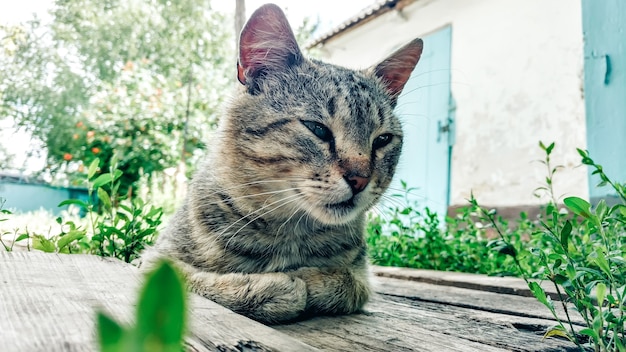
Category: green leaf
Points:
column 565, row 234
column 22, row 237
column 589, row 332
column 571, row 271
column 560, row 279
column 110, row 334
column 556, row 331
column 93, row 167
column 600, row 260
column 117, row 174
column 540, row 294
column 542, row 146
column 78, row 202
column 622, row 210
column 43, row 244
column 578, row 206
column 102, row 180
column 104, row 198
column 601, row 293
column 69, row 238
column 161, row 309
column 602, row 210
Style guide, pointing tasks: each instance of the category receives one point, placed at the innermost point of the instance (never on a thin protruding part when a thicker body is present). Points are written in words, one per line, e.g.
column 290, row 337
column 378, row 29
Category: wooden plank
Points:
column 50, row 299
column 472, row 325
column 507, row 305
column 377, row 331
column 400, row 324
column 407, row 314
column 505, row 285
column 48, row 302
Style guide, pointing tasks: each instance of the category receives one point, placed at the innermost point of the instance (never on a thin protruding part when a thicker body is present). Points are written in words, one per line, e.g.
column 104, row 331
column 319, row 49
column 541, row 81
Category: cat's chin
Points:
column 336, row 213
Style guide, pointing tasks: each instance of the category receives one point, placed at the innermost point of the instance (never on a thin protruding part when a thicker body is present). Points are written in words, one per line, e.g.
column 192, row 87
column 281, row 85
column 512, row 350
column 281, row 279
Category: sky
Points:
column 330, row 13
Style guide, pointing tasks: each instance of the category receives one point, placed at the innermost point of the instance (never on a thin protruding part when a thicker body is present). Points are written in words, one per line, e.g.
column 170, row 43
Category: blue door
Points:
column 604, row 27
column 426, row 109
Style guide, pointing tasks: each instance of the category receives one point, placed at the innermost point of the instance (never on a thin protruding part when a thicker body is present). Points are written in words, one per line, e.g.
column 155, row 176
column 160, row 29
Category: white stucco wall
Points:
column 517, row 79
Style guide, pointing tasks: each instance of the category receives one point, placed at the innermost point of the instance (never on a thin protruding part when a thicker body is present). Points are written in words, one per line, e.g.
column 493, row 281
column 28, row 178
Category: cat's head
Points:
column 311, row 138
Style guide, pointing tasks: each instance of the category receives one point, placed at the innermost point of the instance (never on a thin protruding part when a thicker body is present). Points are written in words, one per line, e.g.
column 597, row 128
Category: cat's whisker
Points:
column 273, row 193
column 393, row 202
column 253, row 213
column 414, row 193
column 278, row 231
column 258, row 182
column 286, row 200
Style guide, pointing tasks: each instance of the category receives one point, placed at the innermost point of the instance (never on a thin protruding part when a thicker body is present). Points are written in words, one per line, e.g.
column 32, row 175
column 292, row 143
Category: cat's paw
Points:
column 280, row 298
column 266, row 297
column 334, row 290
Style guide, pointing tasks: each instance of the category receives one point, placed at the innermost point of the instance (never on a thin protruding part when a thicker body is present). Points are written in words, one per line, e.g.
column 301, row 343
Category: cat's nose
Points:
column 357, row 183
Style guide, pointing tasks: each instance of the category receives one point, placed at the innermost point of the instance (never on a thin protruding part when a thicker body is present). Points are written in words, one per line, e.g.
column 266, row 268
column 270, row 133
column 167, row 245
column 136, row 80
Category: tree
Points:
column 142, row 78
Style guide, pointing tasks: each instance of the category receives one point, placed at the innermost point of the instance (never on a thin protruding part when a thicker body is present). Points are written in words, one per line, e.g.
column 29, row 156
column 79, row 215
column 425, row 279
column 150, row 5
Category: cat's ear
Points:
column 395, row 70
column 266, row 43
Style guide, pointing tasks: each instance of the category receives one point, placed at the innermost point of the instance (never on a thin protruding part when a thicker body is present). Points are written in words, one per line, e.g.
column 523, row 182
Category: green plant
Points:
column 582, row 253
column 68, row 240
column 17, row 237
column 116, row 226
column 402, row 235
column 160, row 319
column 580, row 249
column 120, row 227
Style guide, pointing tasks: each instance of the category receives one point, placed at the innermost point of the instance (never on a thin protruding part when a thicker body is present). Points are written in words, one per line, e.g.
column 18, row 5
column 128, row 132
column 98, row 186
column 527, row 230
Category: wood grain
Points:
column 48, row 303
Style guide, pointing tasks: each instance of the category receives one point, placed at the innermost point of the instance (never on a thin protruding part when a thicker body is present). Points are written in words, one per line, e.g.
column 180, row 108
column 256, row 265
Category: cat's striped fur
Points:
column 273, row 224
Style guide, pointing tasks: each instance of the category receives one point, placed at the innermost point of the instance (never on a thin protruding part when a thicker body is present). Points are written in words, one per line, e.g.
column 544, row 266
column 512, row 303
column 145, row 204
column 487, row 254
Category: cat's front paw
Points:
column 280, row 298
column 266, row 297
column 334, row 290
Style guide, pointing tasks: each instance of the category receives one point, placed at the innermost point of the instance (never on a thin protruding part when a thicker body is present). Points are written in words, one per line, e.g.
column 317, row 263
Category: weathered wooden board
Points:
column 506, row 285
column 513, row 306
column 48, row 303
column 394, row 322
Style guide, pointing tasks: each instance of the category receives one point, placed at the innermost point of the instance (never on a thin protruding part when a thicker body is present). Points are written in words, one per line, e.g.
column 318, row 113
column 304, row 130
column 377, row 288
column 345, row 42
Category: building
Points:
column 495, row 78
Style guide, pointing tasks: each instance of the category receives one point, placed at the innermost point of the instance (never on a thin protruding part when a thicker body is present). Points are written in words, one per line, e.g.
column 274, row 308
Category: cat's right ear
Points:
column 266, row 43
column 395, row 70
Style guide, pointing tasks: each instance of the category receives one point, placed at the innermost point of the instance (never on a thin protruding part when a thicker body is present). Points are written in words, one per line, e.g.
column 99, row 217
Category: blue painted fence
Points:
column 24, row 197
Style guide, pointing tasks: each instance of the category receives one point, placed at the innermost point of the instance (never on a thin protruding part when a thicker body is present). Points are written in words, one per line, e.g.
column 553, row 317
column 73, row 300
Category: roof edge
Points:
column 376, row 9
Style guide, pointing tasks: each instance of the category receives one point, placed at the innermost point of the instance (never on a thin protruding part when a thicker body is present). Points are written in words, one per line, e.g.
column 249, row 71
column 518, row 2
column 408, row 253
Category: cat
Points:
column 273, row 223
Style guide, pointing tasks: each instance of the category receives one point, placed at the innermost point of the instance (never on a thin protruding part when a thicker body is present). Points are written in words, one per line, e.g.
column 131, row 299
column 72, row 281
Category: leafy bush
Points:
column 404, row 236
column 578, row 248
column 116, row 226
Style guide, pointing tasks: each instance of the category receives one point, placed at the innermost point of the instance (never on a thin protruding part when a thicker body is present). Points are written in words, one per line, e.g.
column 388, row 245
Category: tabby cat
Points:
column 273, row 223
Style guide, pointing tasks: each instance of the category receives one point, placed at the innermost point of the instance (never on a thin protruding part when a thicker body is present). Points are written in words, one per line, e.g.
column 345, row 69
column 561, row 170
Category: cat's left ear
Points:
column 266, row 43
column 395, row 70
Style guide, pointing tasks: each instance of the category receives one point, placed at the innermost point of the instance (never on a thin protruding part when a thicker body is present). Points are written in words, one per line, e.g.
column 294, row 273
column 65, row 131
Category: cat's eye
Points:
column 320, row 131
column 382, row 141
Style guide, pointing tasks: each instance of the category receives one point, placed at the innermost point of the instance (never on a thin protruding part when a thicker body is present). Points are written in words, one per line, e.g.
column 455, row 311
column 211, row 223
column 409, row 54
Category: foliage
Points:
column 114, row 75
column 404, row 236
column 587, row 262
column 3, row 214
column 160, row 320
column 124, row 226
column 117, row 227
column 579, row 249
